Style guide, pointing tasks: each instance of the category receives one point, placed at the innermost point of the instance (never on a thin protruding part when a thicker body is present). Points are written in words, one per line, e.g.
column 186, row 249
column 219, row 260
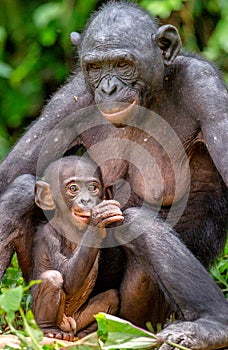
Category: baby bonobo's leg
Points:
column 107, row 301
column 48, row 307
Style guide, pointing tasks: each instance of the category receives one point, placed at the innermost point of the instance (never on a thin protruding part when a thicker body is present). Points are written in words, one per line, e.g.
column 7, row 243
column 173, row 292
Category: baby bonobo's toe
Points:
column 58, row 334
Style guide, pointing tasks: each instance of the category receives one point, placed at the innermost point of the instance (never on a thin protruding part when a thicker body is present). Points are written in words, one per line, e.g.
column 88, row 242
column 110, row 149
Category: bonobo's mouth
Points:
column 116, row 113
column 83, row 217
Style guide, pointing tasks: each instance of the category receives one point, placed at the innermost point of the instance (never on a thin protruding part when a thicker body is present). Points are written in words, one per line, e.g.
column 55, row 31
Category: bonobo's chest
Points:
column 150, row 159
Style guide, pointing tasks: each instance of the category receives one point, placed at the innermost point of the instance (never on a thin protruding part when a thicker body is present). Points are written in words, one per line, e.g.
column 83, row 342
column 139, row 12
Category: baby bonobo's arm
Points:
column 78, row 267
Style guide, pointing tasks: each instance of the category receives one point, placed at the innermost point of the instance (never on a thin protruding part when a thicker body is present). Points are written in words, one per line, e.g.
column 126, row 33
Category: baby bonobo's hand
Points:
column 106, row 212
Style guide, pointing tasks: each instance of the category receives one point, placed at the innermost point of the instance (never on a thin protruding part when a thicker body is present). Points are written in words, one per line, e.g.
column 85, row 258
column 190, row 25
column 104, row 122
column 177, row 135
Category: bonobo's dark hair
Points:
column 111, row 11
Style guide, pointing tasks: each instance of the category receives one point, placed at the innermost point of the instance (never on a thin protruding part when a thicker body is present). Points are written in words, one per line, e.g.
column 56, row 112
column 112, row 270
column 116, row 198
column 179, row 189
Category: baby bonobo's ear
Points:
column 108, row 192
column 43, row 196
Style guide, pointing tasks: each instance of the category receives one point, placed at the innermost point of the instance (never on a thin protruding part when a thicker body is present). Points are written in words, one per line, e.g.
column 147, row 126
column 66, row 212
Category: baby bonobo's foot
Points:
column 57, row 333
column 68, row 324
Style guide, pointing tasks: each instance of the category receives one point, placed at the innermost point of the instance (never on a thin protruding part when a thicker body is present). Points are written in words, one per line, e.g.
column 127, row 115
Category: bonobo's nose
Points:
column 85, row 202
column 109, row 86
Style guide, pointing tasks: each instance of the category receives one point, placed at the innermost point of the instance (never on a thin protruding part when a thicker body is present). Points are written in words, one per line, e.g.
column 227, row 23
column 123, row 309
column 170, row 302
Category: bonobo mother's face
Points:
column 122, row 65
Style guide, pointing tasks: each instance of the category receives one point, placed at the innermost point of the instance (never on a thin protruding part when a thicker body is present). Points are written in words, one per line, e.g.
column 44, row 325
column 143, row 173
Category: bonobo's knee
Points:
column 142, row 228
column 25, row 182
column 111, row 295
column 112, row 301
column 24, row 179
column 141, row 218
column 22, row 188
column 52, row 278
column 137, row 222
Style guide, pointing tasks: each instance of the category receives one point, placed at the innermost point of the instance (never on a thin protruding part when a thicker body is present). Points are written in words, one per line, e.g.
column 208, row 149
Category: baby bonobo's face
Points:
column 81, row 189
column 81, row 196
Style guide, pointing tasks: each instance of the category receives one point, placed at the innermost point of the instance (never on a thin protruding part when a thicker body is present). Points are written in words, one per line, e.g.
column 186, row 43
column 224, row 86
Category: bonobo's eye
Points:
column 93, row 66
column 122, row 64
column 93, row 187
column 73, row 188
column 94, row 72
column 126, row 68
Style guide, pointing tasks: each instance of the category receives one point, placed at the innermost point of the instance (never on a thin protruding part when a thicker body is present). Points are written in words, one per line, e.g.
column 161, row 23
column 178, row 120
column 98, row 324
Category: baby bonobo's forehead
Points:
column 72, row 167
column 81, row 170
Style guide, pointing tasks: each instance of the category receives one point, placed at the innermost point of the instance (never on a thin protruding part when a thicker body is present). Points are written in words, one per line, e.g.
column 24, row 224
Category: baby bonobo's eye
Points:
column 93, row 187
column 73, row 188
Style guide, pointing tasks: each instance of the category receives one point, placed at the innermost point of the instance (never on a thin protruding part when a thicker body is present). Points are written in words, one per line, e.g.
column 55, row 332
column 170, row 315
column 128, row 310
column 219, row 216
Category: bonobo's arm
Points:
column 16, row 202
column 23, row 157
column 189, row 288
column 210, row 98
column 77, row 268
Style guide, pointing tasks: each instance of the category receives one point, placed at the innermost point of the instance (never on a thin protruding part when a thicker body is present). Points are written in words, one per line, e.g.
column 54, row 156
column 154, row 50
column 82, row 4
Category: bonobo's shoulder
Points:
column 195, row 66
column 44, row 231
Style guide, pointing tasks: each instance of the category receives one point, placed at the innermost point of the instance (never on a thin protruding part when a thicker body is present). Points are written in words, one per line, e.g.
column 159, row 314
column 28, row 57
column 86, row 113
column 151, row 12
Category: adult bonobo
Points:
column 125, row 57
column 66, row 249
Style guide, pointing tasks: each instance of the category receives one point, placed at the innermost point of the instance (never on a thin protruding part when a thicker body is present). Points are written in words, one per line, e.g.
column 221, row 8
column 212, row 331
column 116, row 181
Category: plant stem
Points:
column 27, row 328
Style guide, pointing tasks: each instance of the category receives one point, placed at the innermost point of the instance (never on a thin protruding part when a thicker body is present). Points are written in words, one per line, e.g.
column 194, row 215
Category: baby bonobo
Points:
column 66, row 249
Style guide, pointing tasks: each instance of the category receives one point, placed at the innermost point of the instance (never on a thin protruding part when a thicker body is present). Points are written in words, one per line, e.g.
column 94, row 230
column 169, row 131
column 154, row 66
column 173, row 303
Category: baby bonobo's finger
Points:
column 106, row 202
column 109, row 210
column 112, row 219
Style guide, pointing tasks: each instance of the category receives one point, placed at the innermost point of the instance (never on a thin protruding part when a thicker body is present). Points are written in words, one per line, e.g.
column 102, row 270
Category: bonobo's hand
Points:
column 106, row 212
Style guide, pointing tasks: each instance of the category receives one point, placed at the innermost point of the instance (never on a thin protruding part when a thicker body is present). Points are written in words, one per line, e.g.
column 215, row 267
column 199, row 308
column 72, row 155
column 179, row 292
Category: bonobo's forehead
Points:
column 71, row 167
column 79, row 170
column 119, row 26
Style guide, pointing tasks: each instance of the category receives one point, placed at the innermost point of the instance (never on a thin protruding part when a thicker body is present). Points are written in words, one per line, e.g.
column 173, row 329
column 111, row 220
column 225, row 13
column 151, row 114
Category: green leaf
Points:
column 5, row 70
column 34, row 329
column 3, row 36
column 90, row 342
column 11, row 299
column 10, row 316
column 32, row 283
column 115, row 333
column 48, row 36
column 161, row 8
column 46, row 13
column 4, row 147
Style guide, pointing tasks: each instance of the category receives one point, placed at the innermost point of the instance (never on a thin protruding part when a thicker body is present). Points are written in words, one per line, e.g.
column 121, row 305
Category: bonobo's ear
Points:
column 43, row 197
column 169, row 41
column 75, row 38
column 108, row 192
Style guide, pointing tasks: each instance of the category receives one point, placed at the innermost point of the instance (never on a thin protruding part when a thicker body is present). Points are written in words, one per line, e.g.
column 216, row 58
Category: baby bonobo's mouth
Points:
column 83, row 216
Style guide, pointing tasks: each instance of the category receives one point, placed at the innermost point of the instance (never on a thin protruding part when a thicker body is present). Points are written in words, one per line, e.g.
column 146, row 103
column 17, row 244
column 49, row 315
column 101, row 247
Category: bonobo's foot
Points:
column 202, row 334
column 57, row 333
column 90, row 329
column 68, row 324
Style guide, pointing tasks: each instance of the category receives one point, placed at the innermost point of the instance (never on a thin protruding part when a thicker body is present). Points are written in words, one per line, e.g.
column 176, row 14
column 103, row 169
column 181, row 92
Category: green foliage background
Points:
column 36, row 53
column 36, row 56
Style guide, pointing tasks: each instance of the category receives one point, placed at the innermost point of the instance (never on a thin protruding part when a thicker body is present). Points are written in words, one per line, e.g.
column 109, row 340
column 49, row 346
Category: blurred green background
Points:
column 36, row 54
